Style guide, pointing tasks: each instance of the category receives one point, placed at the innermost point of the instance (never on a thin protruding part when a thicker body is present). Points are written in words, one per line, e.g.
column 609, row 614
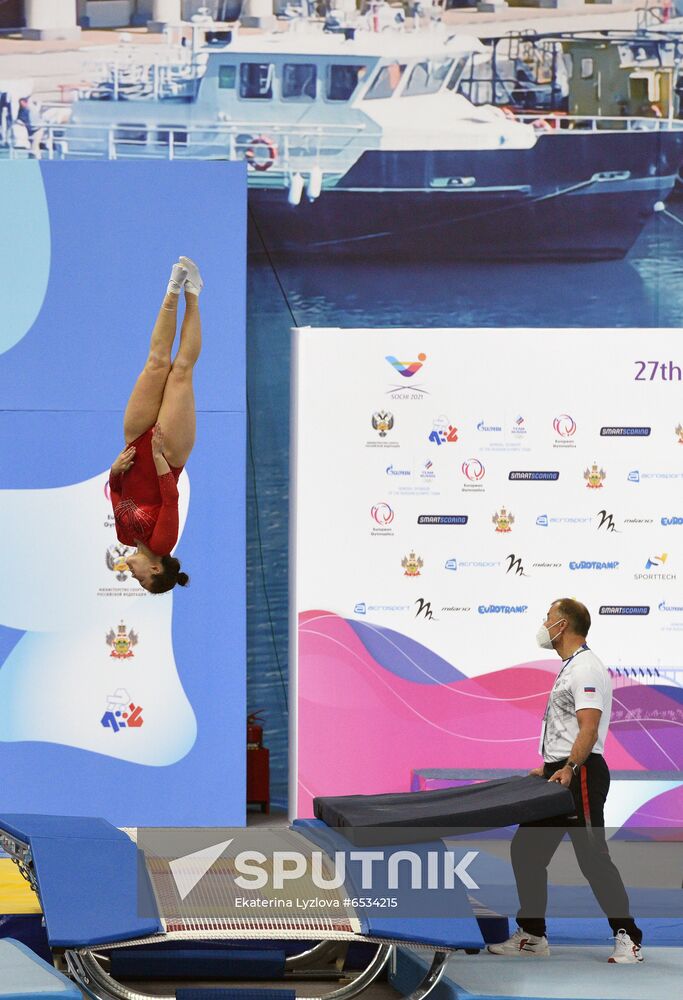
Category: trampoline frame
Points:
column 84, row 965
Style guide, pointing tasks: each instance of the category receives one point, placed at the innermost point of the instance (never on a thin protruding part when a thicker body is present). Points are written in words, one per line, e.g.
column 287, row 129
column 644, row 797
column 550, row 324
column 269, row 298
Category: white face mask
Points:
column 543, row 637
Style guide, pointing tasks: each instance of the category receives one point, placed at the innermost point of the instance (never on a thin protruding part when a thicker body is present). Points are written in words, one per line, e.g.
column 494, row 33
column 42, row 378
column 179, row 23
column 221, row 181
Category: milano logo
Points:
column 515, row 564
column 424, row 608
column 607, row 521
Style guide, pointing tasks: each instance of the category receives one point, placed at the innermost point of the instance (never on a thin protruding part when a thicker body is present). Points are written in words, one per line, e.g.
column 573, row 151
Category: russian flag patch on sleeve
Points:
column 589, row 690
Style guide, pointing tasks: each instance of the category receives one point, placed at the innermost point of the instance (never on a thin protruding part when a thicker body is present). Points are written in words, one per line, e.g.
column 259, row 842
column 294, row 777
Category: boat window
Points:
column 342, row 80
column 256, row 80
column 298, row 81
column 131, row 133
column 586, row 68
column 226, row 77
column 386, row 81
column 427, row 77
column 164, row 133
column 460, row 66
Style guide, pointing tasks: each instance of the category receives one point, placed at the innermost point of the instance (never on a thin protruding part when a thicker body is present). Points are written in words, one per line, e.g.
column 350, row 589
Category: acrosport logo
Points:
column 594, row 564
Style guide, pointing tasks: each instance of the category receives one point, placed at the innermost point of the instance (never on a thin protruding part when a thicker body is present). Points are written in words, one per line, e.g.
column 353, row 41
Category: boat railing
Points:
column 553, row 121
column 264, row 145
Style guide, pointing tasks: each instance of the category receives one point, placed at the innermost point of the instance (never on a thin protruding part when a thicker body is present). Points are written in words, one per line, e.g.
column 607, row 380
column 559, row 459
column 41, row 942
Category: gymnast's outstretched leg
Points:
column 145, row 400
column 177, row 413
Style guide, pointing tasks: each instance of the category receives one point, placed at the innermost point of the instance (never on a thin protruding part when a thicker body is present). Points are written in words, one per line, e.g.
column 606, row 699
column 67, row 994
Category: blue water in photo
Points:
column 643, row 290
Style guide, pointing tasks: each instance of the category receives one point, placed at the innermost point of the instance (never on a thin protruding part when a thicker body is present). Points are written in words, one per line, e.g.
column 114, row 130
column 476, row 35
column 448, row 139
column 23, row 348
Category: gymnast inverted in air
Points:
column 159, row 430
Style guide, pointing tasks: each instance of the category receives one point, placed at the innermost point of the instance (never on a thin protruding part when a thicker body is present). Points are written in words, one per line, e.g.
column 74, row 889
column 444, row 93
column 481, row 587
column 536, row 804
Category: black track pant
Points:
column 534, row 845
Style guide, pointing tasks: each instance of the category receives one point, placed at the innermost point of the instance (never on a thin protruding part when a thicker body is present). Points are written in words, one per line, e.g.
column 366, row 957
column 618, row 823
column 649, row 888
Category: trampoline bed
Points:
column 95, row 886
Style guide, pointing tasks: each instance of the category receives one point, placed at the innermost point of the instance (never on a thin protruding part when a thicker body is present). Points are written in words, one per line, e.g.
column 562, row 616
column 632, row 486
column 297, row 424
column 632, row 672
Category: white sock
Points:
column 193, row 282
column 177, row 279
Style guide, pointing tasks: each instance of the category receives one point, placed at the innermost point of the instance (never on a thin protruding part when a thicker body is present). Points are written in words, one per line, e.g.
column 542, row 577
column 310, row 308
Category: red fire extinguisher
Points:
column 254, row 730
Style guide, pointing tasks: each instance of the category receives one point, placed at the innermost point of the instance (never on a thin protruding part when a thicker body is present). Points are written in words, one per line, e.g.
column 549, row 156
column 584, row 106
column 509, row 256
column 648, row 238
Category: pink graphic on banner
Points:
column 379, row 704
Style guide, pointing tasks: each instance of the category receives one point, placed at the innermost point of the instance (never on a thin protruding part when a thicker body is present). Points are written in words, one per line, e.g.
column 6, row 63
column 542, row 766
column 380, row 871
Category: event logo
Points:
column 668, row 521
column 442, row 518
column 502, row 609
column 676, row 609
column 518, row 426
column 606, row 521
column 503, row 520
column 382, row 513
column 443, row 432
column 361, row 608
column 407, row 368
column 544, row 476
column 121, row 712
column 412, row 564
column 424, row 608
column 653, row 569
column 679, row 433
column 122, row 642
column 543, row 521
column 116, row 556
column 594, row 477
column 473, row 470
column 565, row 426
column 624, row 609
column 515, row 563
column 382, row 422
column 391, row 470
column 594, row 564
column 625, row 431
column 485, row 428
column 636, row 476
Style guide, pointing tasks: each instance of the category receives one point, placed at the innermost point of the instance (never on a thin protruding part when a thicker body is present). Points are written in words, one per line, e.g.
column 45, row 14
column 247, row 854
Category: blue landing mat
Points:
column 569, row 973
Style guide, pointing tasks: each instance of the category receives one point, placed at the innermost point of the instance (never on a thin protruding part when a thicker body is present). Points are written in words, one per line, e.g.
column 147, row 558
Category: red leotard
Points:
column 146, row 504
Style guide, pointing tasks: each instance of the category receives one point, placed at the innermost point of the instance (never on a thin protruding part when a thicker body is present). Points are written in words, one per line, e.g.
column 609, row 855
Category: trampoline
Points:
column 94, row 883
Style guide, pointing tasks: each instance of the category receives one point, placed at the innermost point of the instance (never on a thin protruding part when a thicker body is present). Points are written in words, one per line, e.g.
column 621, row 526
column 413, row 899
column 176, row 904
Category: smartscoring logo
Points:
column 533, row 477
column 625, row 431
column 594, row 564
column 625, row 609
column 442, row 518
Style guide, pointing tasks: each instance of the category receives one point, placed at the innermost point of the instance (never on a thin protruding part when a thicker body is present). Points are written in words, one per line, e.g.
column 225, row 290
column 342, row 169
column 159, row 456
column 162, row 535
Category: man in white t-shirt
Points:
column 572, row 741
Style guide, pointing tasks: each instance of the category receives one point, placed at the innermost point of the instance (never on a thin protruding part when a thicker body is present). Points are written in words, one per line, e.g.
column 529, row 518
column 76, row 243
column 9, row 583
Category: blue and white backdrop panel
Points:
column 85, row 253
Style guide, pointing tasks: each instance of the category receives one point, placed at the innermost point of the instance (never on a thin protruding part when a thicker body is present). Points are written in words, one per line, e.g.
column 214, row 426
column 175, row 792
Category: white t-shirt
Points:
column 583, row 682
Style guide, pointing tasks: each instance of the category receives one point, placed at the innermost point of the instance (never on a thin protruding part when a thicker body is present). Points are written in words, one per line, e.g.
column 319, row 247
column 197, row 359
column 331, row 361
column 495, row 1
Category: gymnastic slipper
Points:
column 193, row 282
column 177, row 279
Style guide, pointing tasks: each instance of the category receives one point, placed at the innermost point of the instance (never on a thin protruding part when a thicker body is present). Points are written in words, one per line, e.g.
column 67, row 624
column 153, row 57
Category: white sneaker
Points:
column 626, row 951
column 194, row 281
column 521, row 943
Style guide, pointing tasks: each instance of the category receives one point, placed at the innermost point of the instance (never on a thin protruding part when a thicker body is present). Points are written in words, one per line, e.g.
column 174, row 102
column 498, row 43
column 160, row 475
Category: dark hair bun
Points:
column 183, row 579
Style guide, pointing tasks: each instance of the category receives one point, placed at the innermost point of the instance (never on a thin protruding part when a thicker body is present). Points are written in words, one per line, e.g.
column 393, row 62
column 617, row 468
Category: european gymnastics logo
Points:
column 407, row 368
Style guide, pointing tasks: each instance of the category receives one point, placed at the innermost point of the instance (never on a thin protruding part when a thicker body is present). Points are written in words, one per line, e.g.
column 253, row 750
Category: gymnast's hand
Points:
column 124, row 461
column 157, row 442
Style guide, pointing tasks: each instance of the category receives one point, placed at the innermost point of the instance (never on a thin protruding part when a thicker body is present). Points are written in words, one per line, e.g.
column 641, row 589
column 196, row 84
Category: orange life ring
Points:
column 258, row 144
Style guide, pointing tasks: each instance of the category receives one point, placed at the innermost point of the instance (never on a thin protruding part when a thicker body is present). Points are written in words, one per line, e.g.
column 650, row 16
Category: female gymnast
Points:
column 159, row 428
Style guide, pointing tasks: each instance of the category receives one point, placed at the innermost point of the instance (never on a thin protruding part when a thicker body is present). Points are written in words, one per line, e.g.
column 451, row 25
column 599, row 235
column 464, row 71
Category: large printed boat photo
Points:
column 364, row 144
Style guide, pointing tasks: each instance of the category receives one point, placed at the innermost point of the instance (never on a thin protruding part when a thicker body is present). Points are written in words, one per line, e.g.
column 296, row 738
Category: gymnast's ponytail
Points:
column 171, row 575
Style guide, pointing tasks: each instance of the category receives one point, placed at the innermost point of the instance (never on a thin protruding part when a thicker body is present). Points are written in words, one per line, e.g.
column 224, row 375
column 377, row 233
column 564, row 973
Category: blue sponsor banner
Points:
column 113, row 701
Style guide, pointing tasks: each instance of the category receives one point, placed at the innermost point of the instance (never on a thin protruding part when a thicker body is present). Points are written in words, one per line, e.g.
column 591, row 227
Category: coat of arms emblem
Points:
column 412, row 564
column 121, row 642
column 503, row 520
column 594, row 477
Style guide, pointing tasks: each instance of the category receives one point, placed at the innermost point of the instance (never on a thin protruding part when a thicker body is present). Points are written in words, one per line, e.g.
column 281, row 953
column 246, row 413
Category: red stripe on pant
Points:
column 584, row 798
